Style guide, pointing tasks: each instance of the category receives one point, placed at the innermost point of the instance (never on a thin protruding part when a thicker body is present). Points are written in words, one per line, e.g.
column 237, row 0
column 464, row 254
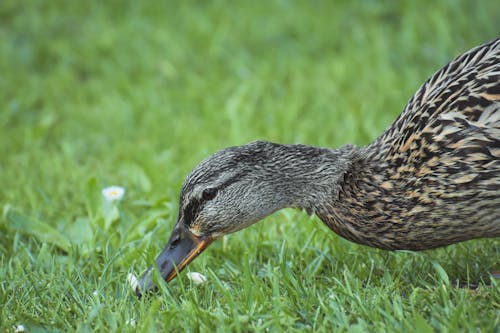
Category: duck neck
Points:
column 308, row 177
column 343, row 189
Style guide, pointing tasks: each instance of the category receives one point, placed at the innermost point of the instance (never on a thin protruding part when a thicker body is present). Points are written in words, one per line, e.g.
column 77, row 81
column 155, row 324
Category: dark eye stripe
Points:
column 194, row 207
column 191, row 211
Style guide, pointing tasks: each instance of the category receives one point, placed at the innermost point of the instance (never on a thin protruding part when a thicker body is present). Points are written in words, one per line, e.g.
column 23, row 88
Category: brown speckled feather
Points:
column 433, row 177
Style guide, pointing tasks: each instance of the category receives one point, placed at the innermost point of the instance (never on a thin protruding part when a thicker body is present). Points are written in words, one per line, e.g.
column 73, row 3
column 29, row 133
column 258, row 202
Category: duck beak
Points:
column 180, row 250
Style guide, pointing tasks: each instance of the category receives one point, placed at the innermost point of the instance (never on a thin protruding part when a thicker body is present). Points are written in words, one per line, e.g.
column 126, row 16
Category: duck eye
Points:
column 209, row 193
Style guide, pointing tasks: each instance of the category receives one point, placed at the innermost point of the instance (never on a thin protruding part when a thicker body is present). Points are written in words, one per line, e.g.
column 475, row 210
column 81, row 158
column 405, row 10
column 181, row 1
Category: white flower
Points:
column 132, row 279
column 130, row 322
column 19, row 328
column 197, row 278
column 113, row 193
column 95, row 293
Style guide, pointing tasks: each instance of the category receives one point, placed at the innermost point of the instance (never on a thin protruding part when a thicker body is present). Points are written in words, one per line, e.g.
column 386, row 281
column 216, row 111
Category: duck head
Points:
column 234, row 188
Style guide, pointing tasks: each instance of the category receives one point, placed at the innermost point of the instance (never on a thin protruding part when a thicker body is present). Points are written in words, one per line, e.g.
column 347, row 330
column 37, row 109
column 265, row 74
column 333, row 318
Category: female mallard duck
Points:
column 431, row 179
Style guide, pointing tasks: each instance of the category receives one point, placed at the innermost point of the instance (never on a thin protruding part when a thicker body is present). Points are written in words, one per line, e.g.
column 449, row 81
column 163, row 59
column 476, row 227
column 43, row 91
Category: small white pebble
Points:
column 197, row 278
column 130, row 322
column 132, row 279
column 113, row 193
column 19, row 328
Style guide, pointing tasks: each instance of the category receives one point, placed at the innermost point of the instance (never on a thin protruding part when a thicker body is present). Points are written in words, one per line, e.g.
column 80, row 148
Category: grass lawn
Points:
column 99, row 93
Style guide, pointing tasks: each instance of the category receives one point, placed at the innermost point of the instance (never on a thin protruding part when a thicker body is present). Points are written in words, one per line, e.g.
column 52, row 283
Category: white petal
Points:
column 197, row 278
column 132, row 279
column 19, row 328
column 113, row 193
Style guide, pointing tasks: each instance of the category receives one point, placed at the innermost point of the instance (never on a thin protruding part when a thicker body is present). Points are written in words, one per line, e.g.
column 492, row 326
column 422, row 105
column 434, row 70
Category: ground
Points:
column 95, row 93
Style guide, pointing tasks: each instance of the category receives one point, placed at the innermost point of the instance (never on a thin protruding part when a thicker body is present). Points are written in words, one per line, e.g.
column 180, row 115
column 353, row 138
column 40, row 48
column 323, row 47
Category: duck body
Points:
column 431, row 179
column 378, row 207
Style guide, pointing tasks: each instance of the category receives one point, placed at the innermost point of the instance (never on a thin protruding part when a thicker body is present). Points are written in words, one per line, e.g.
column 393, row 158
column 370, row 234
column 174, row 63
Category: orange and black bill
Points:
column 181, row 249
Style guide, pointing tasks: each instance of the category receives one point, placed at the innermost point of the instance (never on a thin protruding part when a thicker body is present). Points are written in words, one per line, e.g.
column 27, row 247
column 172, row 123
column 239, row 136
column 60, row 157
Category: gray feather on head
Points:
column 238, row 186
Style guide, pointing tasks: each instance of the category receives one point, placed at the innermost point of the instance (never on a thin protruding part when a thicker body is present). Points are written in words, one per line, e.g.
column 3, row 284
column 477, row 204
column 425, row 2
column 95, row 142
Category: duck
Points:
column 431, row 179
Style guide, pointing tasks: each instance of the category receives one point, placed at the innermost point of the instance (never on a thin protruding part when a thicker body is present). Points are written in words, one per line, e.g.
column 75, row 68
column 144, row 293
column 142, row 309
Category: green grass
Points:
column 99, row 93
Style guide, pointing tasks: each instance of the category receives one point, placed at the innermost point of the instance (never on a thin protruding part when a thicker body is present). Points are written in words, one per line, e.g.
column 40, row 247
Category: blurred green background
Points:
column 99, row 93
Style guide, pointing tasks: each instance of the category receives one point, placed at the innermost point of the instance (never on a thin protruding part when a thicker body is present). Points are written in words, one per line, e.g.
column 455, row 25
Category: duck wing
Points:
column 457, row 107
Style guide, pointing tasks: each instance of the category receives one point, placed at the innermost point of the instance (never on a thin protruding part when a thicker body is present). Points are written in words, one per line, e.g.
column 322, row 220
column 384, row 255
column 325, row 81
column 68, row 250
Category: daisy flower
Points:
column 113, row 193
